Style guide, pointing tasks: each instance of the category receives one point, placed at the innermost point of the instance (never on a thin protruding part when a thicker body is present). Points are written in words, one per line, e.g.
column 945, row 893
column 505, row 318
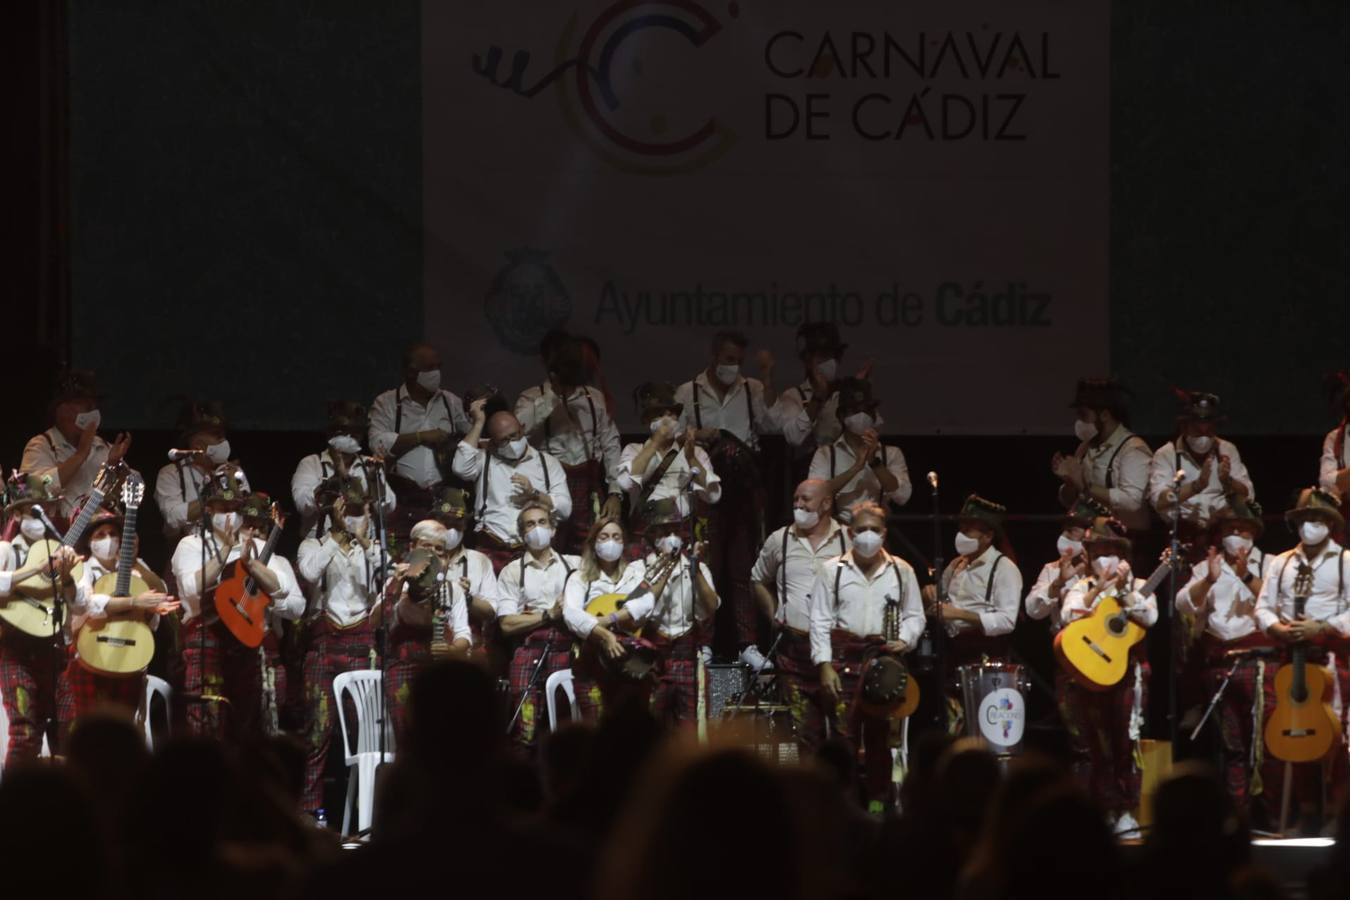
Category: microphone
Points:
column 46, row 522
column 1252, row 652
column 933, row 480
column 1179, row 477
column 176, row 455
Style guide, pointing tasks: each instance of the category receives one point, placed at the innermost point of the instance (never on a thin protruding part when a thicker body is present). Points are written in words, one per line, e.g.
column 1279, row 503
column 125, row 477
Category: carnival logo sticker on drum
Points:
column 1003, row 717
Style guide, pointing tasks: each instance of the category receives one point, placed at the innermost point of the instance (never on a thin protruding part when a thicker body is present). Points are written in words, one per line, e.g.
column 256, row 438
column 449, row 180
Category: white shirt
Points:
column 1143, row 610
column 1331, row 462
column 443, row 411
column 579, row 592
column 674, row 479
column 287, row 602
column 798, row 426
column 968, row 589
column 538, row 587
column 860, row 606
column 313, row 471
column 1326, row 603
column 13, row 554
column 575, row 432
column 1121, row 465
column 475, row 566
column 1201, row 507
column 1228, row 611
column 176, row 487
column 456, row 616
column 795, row 580
column 494, row 510
column 835, row 459
column 46, row 451
column 95, row 605
column 1040, row 604
column 703, row 408
column 676, row 611
column 345, row 579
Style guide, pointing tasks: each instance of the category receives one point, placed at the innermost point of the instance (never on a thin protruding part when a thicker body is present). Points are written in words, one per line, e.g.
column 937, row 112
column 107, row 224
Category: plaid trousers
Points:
column 332, row 651
column 675, row 696
column 585, row 482
column 81, row 691
column 598, row 687
column 29, row 671
column 799, row 687
column 869, row 735
column 523, row 661
column 409, row 653
column 222, row 681
column 1101, row 751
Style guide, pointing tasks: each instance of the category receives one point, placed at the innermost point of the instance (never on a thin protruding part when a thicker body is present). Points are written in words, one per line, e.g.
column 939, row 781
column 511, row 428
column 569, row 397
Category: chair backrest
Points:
column 154, row 686
column 560, row 679
column 364, row 686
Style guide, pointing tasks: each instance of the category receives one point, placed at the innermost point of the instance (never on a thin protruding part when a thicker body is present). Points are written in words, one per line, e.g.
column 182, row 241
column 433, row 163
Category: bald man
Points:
column 507, row 475
column 782, row 579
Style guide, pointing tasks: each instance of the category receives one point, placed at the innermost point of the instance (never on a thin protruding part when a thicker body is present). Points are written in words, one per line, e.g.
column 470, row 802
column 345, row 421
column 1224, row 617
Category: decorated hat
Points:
column 198, row 416
column 23, row 490
column 819, row 337
column 350, row 490
column 1238, row 510
column 662, row 512
column 75, row 384
column 223, row 488
column 855, row 393
column 1107, row 530
column 1315, row 501
column 450, row 502
column 110, row 513
column 1099, row 393
column 428, row 567
column 256, row 506
column 656, row 397
column 1084, row 510
column 1199, row 406
column 987, row 512
column 347, row 417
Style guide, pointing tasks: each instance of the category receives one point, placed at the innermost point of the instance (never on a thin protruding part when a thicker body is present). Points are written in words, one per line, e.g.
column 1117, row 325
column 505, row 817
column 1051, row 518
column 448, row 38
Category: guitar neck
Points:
column 251, row 584
column 126, row 559
column 1151, row 586
column 76, row 529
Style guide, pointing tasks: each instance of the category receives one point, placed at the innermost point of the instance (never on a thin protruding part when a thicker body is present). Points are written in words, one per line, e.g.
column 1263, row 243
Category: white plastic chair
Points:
column 560, row 679
column 154, row 687
column 364, row 686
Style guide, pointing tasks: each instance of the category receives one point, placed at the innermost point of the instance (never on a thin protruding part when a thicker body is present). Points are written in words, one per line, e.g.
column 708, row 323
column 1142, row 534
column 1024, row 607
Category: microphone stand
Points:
column 1172, row 637
column 380, row 635
column 938, row 636
column 59, row 619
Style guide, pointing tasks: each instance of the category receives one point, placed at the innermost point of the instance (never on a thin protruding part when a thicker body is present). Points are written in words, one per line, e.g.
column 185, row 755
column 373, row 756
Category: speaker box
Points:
column 725, row 681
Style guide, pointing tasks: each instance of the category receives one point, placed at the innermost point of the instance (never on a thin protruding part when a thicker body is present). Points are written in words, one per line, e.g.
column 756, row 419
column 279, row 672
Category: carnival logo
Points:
column 526, row 300
column 1003, row 717
column 599, row 104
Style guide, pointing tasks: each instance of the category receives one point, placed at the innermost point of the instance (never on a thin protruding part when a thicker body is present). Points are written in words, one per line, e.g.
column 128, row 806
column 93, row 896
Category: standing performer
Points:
column 1105, row 725
column 178, row 487
column 857, row 466
column 566, row 418
column 848, row 622
column 729, row 412
column 1046, row 597
column 784, row 575
column 23, row 492
column 347, row 426
column 1334, row 470
column 1111, row 464
column 808, row 411
column 529, row 607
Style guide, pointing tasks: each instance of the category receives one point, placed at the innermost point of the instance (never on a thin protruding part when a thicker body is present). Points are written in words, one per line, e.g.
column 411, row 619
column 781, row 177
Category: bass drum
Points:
column 994, row 698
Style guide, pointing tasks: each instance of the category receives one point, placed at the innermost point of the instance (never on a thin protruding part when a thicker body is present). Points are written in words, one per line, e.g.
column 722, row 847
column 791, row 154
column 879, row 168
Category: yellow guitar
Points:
column 120, row 644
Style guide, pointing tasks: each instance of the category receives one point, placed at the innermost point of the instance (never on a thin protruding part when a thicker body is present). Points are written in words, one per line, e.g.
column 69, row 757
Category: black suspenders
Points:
column 749, row 408
column 398, row 410
column 483, row 476
column 595, row 426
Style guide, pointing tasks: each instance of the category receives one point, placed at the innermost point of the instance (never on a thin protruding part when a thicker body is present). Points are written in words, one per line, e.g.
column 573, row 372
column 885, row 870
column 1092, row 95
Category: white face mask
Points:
column 1084, row 431
column 225, row 523
column 859, row 422
column 1313, row 533
column 513, row 450
column 105, row 547
column 727, row 374
column 965, row 544
column 671, row 543
column 1106, row 566
column 430, row 380
column 32, row 529
column 827, row 369
column 1236, row 543
column 85, row 419
column 538, row 537
column 452, row 538
column 609, row 550
column 805, row 518
column 867, row 543
column 657, row 424
column 1200, row 445
column 353, row 524
column 1064, row 545
column 344, row 443
column 219, row 453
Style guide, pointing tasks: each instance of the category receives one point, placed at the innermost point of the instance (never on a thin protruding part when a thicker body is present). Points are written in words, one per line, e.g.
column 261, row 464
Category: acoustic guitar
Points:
column 240, row 603
column 1303, row 727
column 1095, row 650
column 121, row 643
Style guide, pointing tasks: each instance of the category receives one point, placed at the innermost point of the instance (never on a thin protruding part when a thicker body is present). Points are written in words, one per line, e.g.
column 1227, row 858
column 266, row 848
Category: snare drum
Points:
column 994, row 696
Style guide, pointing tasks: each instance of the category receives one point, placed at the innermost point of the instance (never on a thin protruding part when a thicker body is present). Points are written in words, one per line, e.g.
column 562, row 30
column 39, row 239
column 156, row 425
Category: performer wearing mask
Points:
column 1334, row 471
column 529, row 607
column 507, row 475
column 413, row 427
column 1046, row 597
column 1104, row 726
column 347, row 426
column 342, row 561
column 24, row 492
column 1111, row 464
column 784, row 575
column 70, row 453
column 566, row 418
column 178, row 487
column 809, row 411
column 471, row 570
column 982, row 585
column 728, row 412
column 856, row 466
column 848, row 605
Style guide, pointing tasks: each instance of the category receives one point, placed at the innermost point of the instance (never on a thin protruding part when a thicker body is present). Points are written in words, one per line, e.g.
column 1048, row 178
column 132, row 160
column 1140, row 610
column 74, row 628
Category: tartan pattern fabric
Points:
column 585, row 482
column 409, row 653
column 870, row 736
column 497, row 552
column 331, row 651
column 799, row 687
column 1101, row 751
column 414, row 505
column 216, row 665
column 533, row 711
column 80, row 691
column 1236, row 733
column 598, row 689
column 732, row 536
column 675, row 696
column 29, row 672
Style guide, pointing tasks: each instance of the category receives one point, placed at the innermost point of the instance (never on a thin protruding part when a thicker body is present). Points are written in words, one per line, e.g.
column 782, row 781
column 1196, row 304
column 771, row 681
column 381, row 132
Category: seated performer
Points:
column 529, row 608
column 857, row 466
column 222, row 678
column 1111, row 464
column 71, row 452
column 342, row 561
column 506, row 475
column 1212, row 470
column 347, row 426
column 179, row 484
column 1104, row 725
column 566, row 418
column 784, row 575
column 1221, row 597
column 848, row 627
column 1324, row 625
column 1046, row 597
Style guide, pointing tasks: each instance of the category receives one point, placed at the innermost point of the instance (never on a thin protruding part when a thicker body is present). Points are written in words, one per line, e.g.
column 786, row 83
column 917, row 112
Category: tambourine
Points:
column 887, row 691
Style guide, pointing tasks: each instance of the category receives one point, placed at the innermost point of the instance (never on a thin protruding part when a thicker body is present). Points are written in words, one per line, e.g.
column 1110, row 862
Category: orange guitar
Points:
column 240, row 603
column 1303, row 726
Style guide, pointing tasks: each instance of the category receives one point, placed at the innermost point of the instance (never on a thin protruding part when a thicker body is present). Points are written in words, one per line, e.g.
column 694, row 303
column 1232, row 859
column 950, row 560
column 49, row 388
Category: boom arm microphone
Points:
column 176, row 455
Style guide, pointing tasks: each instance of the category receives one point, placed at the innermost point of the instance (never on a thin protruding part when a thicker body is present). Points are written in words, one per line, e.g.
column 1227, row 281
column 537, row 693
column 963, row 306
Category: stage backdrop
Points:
column 932, row 175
